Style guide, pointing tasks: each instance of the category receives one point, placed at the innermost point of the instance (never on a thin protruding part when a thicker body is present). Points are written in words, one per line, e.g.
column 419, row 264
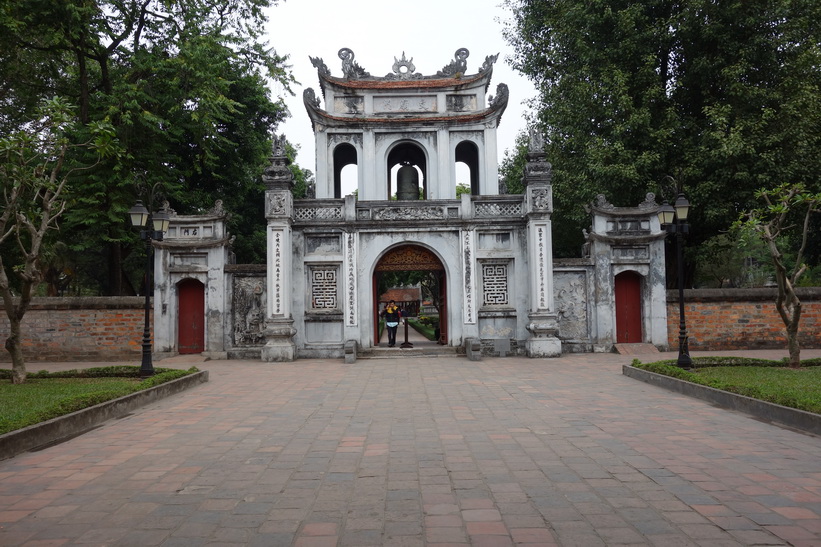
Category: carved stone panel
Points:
column 461, row 103
column 636, row 252
column 425, row 103
column 324, row 244
column 346, row 104
column 571, row 304
column 248, row 309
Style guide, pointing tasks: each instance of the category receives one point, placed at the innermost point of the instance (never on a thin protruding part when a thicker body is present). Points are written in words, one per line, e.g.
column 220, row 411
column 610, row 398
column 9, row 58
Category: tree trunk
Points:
column 791, row 314
column 15, row 348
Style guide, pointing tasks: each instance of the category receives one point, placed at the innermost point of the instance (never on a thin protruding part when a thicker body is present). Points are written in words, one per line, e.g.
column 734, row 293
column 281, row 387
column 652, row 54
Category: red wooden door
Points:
column 628, row 308
column 191, row 316
column 443, row 309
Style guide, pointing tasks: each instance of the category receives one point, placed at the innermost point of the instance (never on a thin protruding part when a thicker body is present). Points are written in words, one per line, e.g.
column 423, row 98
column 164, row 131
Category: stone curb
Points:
column 76, row 423
column 768, row 412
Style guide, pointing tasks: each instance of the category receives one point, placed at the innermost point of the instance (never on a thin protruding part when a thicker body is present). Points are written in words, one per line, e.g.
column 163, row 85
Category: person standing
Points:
column 392, row 322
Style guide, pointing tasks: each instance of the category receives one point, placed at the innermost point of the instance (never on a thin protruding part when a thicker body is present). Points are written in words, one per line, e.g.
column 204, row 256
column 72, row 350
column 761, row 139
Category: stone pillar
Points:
column 279, row 206
column 543, row 319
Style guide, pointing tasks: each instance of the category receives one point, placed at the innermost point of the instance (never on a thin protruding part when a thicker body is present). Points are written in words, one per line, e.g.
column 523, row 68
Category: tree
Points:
column 786, row 205
column 185, row 84
column 722, row 96
column 35, row 169
column 512, row 167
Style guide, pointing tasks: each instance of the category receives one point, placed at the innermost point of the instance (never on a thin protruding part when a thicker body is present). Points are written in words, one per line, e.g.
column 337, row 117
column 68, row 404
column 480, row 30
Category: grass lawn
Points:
column 45, row 396
column 768, row 381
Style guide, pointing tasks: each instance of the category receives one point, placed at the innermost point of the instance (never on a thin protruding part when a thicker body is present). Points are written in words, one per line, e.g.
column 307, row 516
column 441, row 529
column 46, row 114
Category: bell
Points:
column 407, row 187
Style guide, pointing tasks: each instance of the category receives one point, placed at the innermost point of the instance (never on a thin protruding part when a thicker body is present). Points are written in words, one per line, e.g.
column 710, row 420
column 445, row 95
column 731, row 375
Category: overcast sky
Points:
column 429, row 31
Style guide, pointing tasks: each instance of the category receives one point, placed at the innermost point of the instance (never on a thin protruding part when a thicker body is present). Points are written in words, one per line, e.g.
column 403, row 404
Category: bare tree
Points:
column 34, row 173
column 787, row 206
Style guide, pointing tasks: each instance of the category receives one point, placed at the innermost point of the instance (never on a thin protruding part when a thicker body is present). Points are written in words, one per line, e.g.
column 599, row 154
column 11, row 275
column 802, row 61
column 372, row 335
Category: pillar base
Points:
column 544, row 340
column 279, row 336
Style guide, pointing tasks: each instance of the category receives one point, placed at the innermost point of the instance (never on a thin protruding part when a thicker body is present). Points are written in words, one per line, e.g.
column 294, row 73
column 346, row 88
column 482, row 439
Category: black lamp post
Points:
column 674, row 221
column 159, row 223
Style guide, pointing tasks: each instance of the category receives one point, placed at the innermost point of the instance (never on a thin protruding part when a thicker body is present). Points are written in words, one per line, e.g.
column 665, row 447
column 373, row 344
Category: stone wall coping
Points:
column 740, row 295
column 87, row 302
column 246, row 268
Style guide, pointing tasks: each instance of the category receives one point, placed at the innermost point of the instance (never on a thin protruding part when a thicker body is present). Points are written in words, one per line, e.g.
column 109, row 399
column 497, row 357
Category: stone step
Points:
column 433, row 350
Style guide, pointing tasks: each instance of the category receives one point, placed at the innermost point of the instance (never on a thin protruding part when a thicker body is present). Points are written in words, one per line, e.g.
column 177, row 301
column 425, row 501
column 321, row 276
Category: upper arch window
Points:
column 344, row 155
column 467, row 153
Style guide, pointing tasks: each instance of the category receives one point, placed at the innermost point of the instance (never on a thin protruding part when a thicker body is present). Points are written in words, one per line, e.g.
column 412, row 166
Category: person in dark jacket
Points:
column 392, row 322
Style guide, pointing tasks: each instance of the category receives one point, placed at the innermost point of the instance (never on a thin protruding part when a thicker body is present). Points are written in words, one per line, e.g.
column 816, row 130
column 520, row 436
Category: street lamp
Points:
column 674, row 221
column 159, row 224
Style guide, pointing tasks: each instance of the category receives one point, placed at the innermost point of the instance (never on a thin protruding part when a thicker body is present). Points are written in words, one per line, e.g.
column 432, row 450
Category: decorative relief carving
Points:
column 495, row 284
column 502, row 95
column 410, row 257
column 541, row 199
column 317, row 213
column 248, row 311
column 323, row 287
column 403, row 70
column 323, row 244
column 461, row 103
column 571, row 303
column 217, row 209
column 277, row 204
column 496, row 210
column 350, row 68
column 408, row 213
column 309, row 97
column 277, row 175
column 457, row 67
column 602, row 203
column 320, row 65
column 347, row 104
column 488, row 64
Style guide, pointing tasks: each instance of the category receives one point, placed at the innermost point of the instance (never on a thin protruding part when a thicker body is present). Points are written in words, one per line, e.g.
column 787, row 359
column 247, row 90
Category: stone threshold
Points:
column 63, row 428
column 808, row 422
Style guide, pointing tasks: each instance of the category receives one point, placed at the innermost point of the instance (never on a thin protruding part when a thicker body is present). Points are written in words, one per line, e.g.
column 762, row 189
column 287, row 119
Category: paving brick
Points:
column 419, row 452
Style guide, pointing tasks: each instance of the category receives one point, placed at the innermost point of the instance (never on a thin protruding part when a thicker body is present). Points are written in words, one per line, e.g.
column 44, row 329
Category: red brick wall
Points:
column 727, row 319
column 81, row 329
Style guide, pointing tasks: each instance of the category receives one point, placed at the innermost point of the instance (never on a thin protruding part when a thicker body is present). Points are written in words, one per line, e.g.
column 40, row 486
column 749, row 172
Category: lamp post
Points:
column 159, row 225
column 674, row 221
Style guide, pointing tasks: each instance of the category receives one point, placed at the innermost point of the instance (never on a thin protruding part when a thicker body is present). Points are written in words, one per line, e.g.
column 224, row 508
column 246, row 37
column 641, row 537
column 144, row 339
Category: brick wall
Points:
column 80, row 329
column 727, row 319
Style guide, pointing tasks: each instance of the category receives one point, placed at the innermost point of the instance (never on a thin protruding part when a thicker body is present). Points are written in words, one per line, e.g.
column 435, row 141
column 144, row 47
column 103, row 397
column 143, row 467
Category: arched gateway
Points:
column 413, row 258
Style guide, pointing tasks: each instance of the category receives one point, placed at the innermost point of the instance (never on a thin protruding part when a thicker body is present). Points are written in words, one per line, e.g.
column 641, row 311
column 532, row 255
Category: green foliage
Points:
column 49, row 395
column 184, row 84
column 723, row 97
column 512, row 166
column 785, row 216
column 460, row 189
column 423, row 328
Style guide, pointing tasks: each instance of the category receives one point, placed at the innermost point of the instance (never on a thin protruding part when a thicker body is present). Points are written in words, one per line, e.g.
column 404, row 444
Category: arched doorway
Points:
column 190, row 316
column 412, row 258
column 628, row 308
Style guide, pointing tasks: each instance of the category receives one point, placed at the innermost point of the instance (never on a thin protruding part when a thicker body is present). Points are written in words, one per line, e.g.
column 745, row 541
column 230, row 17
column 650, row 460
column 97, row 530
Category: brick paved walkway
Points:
column 420, row 452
